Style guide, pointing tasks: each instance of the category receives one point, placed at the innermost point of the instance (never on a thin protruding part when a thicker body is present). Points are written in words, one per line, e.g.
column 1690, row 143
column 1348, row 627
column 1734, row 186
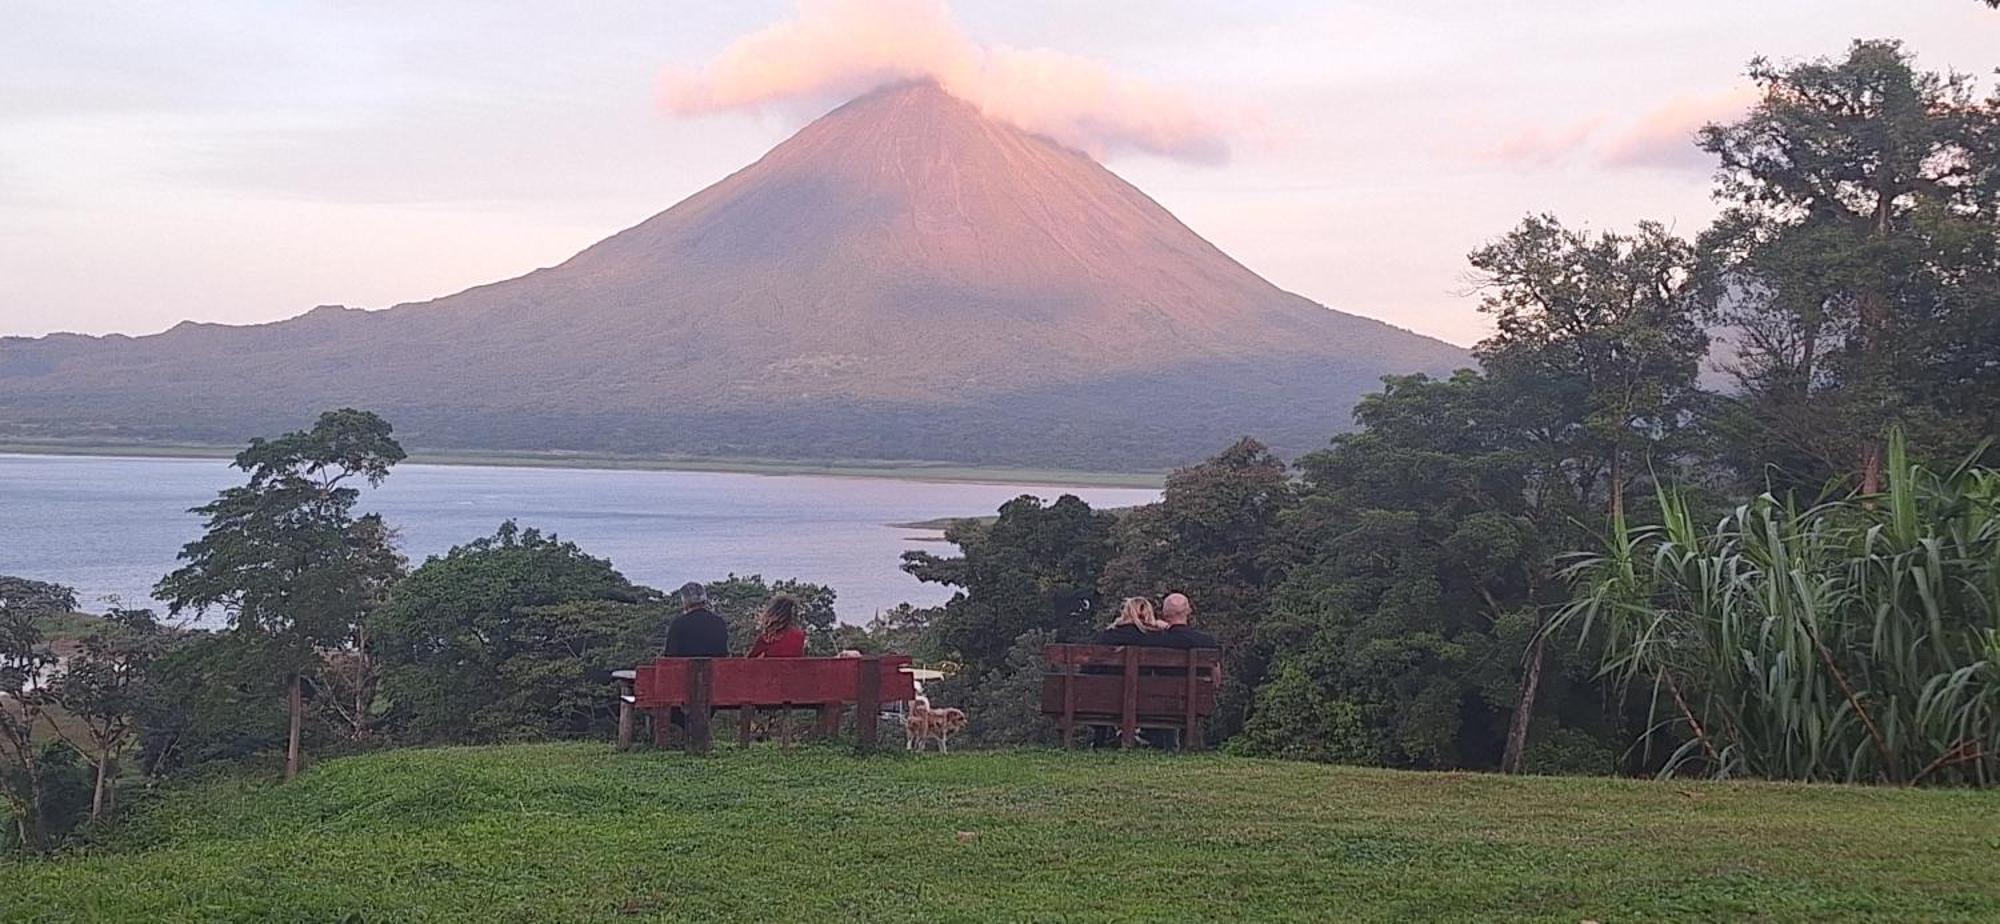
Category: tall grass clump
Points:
column 1855, row 640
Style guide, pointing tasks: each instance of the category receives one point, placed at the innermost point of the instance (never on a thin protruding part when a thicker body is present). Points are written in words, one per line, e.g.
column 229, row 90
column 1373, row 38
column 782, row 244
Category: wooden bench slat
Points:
column 1114, row 656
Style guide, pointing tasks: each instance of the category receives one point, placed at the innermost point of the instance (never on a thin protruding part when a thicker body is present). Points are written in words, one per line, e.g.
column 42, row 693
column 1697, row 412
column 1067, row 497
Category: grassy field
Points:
column 845, row 468
column 577, row 832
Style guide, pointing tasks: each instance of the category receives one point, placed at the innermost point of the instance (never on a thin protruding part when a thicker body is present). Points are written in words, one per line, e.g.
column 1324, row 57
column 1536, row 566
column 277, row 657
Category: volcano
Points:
column 903, row 279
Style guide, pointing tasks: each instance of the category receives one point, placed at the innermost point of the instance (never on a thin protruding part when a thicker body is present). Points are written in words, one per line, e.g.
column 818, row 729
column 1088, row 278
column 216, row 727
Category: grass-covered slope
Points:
column 577, row 832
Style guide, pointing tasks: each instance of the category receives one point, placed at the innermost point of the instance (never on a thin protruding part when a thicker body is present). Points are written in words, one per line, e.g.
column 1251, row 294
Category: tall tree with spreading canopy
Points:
column 1604, row 328
column 284, row 557
column 25, row 661
column 1856, row 266
column 1597, row 338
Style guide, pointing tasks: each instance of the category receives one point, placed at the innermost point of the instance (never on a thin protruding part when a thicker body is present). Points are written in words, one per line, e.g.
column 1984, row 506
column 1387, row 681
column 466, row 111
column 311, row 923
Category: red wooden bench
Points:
column 1131, row 687
column 697, row 686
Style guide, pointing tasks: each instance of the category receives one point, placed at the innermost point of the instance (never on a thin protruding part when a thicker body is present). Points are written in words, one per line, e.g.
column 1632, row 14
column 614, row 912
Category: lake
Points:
column 112, row 526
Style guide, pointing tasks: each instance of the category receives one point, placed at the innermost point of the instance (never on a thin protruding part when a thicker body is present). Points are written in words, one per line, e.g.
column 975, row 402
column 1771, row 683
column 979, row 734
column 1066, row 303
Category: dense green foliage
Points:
column 493, row 639
column 1854, row 640
column 579, row 832
column 284, row 556
column 1858, row 265
column 105, row 687
column 1034, row 568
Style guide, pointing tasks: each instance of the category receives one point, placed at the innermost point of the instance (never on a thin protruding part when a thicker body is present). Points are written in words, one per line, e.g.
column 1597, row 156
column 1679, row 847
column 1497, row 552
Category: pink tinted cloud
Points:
column 834, row 49
column 1659, row 138
column 1540, row 147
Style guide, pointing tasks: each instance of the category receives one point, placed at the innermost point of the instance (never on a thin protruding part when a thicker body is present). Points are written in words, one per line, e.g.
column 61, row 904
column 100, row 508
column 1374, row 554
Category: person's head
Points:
column 780, row 614
column 694, row 596
column 1176, row 610
column 1138, row 611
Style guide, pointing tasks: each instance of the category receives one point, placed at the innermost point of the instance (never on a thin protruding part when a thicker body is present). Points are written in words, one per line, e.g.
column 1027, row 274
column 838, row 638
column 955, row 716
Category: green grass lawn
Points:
column 577, row 832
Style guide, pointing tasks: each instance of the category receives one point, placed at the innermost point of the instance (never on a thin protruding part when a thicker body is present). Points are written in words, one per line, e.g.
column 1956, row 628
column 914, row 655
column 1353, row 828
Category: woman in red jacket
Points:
column 778, row 631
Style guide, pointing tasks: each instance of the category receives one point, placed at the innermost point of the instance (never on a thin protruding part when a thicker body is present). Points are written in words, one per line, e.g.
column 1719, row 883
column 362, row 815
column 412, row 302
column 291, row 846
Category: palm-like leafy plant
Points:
column 1855, row 640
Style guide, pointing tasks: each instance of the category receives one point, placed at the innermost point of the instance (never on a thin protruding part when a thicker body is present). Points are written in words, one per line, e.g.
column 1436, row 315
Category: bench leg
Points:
column 625, row 723
column 701, row 686
column 867, row 705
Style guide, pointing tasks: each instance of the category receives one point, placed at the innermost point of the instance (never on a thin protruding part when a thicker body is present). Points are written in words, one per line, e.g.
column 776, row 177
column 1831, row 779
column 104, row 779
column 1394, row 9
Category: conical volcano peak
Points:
column 905, row 277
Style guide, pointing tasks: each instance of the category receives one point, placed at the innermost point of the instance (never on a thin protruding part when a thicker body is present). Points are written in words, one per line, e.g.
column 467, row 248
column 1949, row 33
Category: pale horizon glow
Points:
column 241, row 163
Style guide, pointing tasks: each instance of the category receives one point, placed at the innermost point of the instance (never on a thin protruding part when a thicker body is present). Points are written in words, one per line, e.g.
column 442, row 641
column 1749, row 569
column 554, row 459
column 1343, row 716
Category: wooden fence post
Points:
column 625, row 709
column 867, row 704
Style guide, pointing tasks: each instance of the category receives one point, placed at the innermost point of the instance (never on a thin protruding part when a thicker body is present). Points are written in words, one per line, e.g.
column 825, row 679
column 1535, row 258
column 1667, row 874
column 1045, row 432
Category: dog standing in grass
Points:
column 928, row 724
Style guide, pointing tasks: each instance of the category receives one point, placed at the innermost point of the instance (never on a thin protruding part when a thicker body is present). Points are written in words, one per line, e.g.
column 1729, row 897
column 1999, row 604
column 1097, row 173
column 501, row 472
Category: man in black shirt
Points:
column 1176, row 610
column 697, row 632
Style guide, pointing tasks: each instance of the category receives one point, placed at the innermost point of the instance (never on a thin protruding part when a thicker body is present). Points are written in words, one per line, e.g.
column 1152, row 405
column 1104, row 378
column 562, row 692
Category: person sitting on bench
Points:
column 1135, row 625
column 778, row 632
column 1177, row 611
column 697, row 632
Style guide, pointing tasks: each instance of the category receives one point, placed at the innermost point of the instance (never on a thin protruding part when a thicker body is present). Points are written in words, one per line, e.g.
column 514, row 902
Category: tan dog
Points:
column 927, row 724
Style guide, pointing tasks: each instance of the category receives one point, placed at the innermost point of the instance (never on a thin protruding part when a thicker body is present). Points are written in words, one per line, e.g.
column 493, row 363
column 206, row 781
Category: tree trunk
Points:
column 1871, row 467
column 1524, row 710
column 292, row 745
column 34, row 823
column 97, row 792
column 364, row 683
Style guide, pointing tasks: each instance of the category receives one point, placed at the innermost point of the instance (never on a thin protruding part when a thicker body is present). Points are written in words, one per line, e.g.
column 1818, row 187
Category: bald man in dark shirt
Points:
column 1177, row 611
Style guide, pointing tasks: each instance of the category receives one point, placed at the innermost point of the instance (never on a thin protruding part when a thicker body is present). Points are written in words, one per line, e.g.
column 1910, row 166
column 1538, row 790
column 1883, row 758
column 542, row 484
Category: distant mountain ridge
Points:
column 904, row 278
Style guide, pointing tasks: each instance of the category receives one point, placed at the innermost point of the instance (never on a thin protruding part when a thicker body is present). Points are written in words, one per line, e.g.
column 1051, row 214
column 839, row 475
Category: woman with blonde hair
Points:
column 1136, row 625
column 779, row 634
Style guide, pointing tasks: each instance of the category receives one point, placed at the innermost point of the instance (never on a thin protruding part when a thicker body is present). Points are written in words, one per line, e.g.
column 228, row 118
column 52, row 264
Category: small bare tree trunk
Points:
column 1524, row 711
column 98, row 793
column 292, row 746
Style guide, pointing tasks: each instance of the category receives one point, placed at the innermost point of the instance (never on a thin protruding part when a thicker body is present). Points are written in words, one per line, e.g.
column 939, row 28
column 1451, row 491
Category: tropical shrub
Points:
column 1852, row 640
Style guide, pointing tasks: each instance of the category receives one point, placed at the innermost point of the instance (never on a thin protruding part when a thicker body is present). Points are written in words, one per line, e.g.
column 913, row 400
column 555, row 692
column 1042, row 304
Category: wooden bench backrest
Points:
column 1132, row 685
column 771, row 681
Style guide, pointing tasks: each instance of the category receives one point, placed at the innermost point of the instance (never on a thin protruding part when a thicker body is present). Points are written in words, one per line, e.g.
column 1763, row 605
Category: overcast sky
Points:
column 245, row 161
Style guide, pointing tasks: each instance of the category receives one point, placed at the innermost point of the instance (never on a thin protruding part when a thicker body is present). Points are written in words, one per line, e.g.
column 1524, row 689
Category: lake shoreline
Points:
column 936, row 472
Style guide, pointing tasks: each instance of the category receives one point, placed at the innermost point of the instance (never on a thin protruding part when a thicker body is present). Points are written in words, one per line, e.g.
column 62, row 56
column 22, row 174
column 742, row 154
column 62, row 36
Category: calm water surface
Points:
column 112, row 526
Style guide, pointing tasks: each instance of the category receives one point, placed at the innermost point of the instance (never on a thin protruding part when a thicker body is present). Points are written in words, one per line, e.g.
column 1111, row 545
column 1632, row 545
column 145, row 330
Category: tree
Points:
column 106, row 686
column 1600, row 334
column 1605, row 327
column 470, row 641
column 283, row 555
column 1036, row 566
column 25, row 660
column 1419, row 559
column 351, row 676
column 1861, row 232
